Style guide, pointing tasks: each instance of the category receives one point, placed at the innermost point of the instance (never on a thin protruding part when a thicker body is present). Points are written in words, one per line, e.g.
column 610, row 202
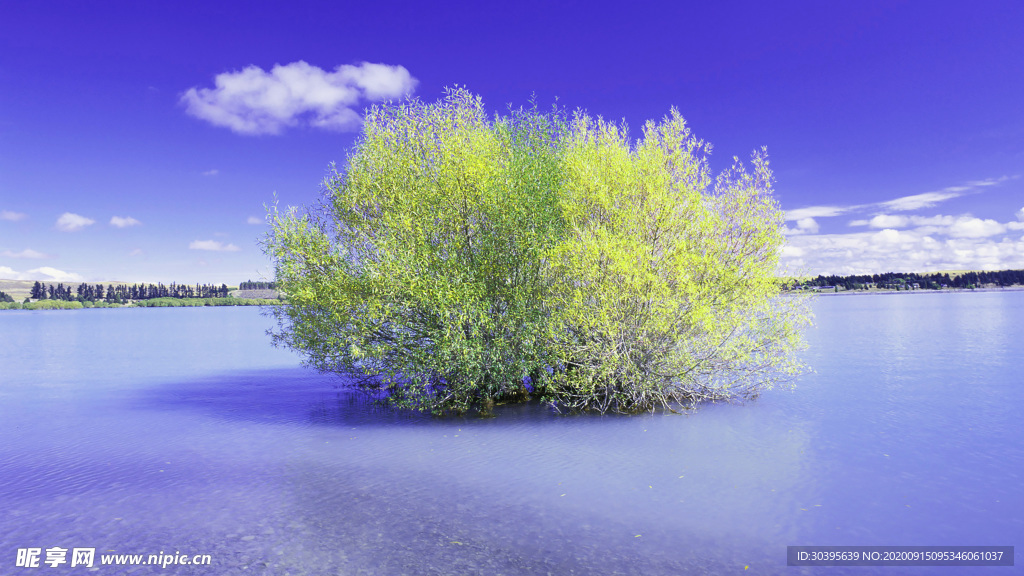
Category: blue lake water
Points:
column 182, row 430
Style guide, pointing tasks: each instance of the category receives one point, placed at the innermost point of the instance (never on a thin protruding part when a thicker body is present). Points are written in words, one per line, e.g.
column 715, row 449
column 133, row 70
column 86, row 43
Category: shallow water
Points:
column 182, row 430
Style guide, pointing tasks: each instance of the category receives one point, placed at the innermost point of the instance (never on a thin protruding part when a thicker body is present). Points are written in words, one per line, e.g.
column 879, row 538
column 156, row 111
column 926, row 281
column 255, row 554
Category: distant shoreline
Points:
column 918, row 291
column 47, row 304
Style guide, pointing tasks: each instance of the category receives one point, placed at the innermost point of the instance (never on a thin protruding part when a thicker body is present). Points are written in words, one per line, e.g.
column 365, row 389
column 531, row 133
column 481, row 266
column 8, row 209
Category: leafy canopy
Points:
column 461, row 260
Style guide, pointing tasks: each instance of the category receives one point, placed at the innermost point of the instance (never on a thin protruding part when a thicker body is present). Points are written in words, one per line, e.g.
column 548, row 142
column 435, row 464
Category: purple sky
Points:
column 139, row 141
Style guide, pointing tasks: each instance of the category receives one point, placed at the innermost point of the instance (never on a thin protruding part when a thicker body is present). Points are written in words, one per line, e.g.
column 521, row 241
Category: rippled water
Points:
column 182, row 430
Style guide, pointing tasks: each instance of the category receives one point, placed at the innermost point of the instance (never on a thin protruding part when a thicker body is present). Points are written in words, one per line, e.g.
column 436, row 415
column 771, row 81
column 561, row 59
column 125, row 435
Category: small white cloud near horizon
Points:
column 12, row 216
column 255, row 220
column 136, row 252
column 213, row 246
column 26, row 253
column 254, row 101
column 44, row 273
column 211, row 172
column 124, row 222
column 69, row 222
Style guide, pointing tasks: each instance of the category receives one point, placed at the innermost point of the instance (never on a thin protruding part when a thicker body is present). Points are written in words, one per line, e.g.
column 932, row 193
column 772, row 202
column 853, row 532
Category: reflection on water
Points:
column 182, row 430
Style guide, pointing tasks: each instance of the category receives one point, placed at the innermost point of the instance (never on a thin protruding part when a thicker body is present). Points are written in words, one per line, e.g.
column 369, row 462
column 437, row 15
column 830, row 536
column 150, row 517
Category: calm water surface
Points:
column 182, row 430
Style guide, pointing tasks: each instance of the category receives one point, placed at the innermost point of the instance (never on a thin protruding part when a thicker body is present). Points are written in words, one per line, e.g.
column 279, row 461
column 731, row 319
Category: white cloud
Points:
column 970, row 227
column 69, row 222
column 892, row 250
column 808, row 225
column 136, row 252
column 932, row 220
column 12, row 216
column 1020, row 214
column 253, row 101
column 918, row 201
column 124, row 222
column 211, row 172
column 213, row 245
column 792, row 252
column 255, row 220
column 903, row 204
column 817, row 212
column 48, row 273
column 26, row 253
column 929, row 199
column 44, row 273
column 888, row 237
column 888, row 221
column 803, row 226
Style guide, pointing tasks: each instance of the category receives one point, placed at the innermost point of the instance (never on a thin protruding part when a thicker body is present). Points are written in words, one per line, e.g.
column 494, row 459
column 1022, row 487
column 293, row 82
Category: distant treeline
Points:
column 5, row 297
column 250, row 285
column 123, row 292
column 907, row 280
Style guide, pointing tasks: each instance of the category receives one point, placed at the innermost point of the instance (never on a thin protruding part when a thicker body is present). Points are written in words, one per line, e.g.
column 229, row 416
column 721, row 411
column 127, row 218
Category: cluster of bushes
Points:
column 462, row 260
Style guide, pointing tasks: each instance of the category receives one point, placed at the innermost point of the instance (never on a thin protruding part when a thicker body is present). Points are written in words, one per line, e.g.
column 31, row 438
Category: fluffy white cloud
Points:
column 124, row 222
column 892, row 250
column 970, row 227
column 12, row 216
column 808, row 225
column 1020, row 214
column 26, row 253
column 69, row 222
column 888, row 221
column 44, row 273
column 888, row 237
column 254, row 101
column 803, row 226
column 255, row 220
column 213, row 246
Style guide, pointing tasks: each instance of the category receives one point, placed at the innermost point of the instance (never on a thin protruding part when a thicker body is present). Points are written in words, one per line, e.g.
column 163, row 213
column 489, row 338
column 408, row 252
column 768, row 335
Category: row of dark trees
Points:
column 123, row 292
column 250, row 285
column 933, row 281
column 5, row 297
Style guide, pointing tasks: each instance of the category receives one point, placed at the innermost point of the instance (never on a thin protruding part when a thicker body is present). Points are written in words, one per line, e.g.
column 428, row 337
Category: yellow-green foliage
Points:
column 667, row 287
column 459, row 256
column 425, row 272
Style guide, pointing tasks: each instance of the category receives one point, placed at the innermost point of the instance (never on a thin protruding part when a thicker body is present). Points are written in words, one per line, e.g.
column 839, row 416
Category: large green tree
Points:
column 460, row 259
